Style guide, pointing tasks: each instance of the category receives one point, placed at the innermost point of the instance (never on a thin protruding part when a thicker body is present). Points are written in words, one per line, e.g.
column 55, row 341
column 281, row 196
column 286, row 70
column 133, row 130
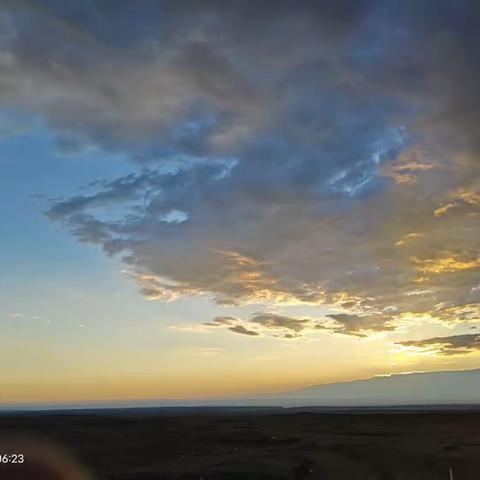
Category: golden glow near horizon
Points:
column 133, row 365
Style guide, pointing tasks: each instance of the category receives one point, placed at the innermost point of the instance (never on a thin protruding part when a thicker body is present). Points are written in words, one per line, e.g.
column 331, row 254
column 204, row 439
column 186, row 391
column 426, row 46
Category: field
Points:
column 254, row 445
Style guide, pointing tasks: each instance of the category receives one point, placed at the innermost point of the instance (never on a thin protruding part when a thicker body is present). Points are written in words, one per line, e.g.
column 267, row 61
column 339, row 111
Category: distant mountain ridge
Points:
column 432, row 388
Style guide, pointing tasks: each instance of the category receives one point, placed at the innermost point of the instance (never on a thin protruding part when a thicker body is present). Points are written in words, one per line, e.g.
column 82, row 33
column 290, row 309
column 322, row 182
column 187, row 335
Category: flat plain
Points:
column 269, row 444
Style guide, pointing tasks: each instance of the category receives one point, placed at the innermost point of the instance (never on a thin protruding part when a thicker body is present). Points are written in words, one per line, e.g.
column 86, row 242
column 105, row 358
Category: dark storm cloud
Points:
column 283, row 152
column 454, row 345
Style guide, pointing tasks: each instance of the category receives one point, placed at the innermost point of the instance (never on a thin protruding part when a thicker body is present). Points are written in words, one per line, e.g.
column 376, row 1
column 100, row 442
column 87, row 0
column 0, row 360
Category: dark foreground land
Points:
column 265, row 445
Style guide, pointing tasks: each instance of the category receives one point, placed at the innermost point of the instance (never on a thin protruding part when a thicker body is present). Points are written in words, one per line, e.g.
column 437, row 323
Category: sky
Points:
column 213, row 199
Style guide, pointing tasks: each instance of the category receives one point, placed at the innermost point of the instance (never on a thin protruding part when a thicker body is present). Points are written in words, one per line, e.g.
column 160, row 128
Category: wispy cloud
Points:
column 453, row 345
column 243, row 330
column 210, row 351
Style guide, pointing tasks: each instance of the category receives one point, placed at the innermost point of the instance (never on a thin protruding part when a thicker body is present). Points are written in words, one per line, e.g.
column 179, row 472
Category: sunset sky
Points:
column 222, row 198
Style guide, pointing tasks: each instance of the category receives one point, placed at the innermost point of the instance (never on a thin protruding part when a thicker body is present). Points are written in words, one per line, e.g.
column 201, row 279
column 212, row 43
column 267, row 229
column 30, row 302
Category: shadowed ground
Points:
column 267, row 445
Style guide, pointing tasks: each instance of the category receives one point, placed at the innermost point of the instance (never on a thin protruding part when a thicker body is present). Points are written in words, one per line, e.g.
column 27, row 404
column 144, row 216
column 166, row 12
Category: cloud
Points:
column 273, row 320
column 222, row 321
column 233, row 324
column 272, row 323
column 209, row 351
column 453, row 345
column 447, row 264
column 443, row 210
column 408, row 166
column 189, row 328
column 277, row 325
column 409, row 237
column 360, row 325
column 243, row 331
column 281, row 154
column 466, row 200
